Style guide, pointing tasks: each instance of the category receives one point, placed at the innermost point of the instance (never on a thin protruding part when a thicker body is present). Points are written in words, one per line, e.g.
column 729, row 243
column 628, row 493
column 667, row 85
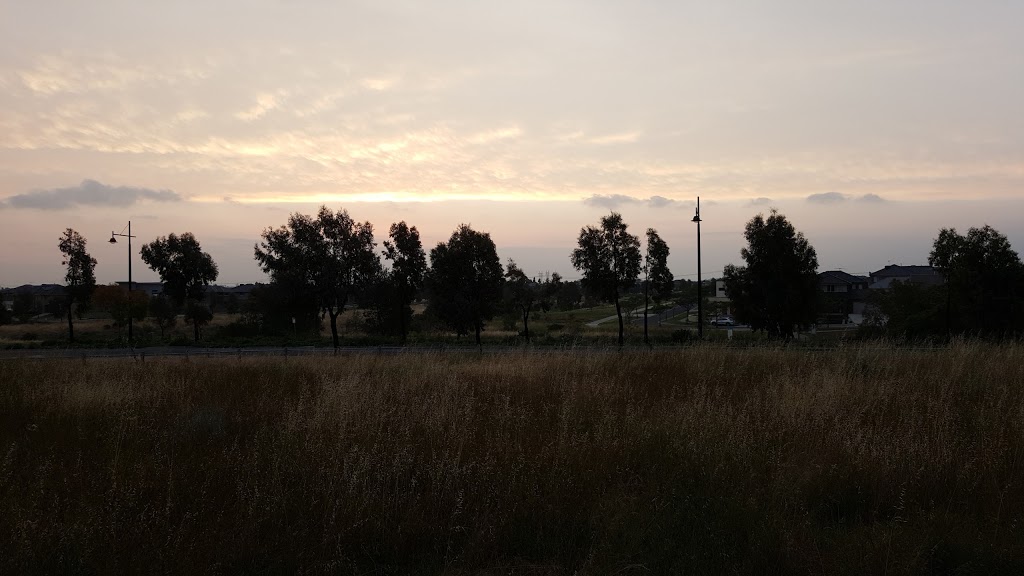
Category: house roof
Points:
column 898, row 271
column 838, row 276
column 38, row 289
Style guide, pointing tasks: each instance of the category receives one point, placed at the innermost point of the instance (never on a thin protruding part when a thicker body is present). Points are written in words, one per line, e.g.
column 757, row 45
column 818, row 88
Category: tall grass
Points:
column 704, row 460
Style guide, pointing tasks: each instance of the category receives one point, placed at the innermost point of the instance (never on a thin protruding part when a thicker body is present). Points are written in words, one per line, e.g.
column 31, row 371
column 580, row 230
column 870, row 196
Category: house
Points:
column 42, row 296
column 921, row 275
column 844, row 296
column 150, row 288
column 720, row 293
column 839, row 282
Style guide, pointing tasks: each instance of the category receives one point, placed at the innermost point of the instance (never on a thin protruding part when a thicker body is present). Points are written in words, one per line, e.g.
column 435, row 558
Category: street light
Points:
column 700, row 290
column 113, row 240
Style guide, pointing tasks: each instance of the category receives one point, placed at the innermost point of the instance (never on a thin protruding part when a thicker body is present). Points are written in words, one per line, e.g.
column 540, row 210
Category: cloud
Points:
column 827, row 198
column 872, row 199
column 616, row 200
column 839, row 198
column 88, row 193
column 264, row 103
column 610, row 200
column 622, row 138
column 762, row 201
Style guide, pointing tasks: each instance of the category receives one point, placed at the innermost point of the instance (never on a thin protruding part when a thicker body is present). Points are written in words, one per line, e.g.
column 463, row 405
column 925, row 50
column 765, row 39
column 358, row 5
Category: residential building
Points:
column 922, row 275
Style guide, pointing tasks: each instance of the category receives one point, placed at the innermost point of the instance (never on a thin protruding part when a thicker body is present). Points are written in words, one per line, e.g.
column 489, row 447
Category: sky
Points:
column 871, row 125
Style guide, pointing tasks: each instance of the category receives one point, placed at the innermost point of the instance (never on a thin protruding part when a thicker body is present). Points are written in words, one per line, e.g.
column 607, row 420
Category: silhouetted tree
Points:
column 163, row 310
column 113, row 299
column 910, row 311
column 331, row 257
column 658, row 280
column 609, row 257
column 465, row 280
column 199, row 314
column 983, row 274
column 523, row 294
column 777, row 290
column 270, row 309
column 408, row 269
column 567, row 295
column 24, row 306
column 79, row 279
column 184, row 269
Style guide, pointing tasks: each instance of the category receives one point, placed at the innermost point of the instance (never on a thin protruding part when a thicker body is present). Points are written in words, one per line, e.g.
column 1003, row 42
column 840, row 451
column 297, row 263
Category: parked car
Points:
column 723, row 321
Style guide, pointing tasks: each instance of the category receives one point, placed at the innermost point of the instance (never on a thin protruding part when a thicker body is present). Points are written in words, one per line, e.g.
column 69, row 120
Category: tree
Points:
column 567, row 295
column 465, row 280
column 271, row 309
column 80, row 279
column 199, row 314
column 330, row 257
column 24, row 306
column 184, row 269
column 910, row 311
column 658, row 280
column 113, row 299
column 523, row 294
column 777, row 290
column 408, row 269
column 983, row 274
column 609, row 257
column 163, row 310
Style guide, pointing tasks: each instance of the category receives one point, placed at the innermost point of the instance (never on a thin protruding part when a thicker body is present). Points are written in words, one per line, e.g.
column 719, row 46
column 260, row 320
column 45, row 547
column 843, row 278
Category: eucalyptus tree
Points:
column 330, row 257
column 408, row 264
column 79, row 278
column 984, row 280
column 185, row 271
column 609, row 258
column 465, row 280
column 657, row 277
column 777, row 291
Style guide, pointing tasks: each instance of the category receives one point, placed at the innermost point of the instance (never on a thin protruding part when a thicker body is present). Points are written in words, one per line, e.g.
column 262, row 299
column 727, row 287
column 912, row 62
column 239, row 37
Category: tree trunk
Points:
column 71, row 326
column 334, row 326
column 618, row 312
column 526, row 324
column 476, row 326
column 401, row 318
column 195, row 327
column 646, row 284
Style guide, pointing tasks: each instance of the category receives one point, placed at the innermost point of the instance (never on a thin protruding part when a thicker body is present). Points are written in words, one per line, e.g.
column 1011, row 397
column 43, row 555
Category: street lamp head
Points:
column 696, row 218
column 112, row 239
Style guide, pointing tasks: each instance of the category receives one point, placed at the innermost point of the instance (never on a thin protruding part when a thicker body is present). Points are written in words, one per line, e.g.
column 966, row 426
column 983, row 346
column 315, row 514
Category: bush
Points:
column 684, row 336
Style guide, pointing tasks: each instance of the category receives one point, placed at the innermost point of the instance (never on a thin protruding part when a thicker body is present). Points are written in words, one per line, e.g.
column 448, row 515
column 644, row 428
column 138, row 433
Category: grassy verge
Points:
column 701, row 460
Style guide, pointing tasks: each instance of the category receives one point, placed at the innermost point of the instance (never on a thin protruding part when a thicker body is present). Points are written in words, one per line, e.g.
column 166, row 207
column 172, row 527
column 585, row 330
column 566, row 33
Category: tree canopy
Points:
column 984, row 278
column 657, row 277
column 777, row 290
column 609, row 258
column 524, row 294
column 184, row 269
column 408, row 268
column 80, row 277
column 331, row 258
column 465, row 280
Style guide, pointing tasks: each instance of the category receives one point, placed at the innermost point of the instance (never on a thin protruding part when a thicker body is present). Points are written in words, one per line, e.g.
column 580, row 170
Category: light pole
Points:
column 113, row 240
column 700, row 288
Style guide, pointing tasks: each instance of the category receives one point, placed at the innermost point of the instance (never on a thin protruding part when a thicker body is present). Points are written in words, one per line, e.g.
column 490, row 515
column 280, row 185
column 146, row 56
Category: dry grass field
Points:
column 701, row 460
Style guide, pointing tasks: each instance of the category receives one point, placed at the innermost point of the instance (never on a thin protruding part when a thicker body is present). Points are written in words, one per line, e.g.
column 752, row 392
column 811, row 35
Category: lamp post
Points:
column 113, row 240
column 700, row 288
